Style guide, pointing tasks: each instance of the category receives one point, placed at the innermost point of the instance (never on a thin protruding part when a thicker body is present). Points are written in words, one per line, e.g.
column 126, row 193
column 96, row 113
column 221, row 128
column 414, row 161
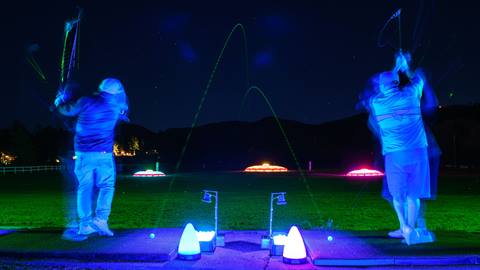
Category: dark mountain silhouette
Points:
column 341, row 144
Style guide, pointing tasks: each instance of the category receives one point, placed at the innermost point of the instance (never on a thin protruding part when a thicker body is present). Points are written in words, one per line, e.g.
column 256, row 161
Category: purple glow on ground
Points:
column 242, row 251
column 343, row 245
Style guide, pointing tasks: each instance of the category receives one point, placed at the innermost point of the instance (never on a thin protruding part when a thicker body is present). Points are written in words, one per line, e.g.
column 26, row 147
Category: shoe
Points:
column 86, row 229
column 72, row 235
column 411, row 236
column 72, row 225
column 396, row 234
column 426, row 236
column 101, row 226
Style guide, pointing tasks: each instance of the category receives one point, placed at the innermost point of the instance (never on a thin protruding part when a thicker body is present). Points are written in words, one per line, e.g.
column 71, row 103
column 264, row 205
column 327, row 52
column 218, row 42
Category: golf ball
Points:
column 152, row 235
column 330, row 238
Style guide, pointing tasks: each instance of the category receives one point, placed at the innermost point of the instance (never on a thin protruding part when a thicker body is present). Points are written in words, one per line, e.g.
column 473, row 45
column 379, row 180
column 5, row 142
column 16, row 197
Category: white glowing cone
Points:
column 294, row 251
column 189, row 247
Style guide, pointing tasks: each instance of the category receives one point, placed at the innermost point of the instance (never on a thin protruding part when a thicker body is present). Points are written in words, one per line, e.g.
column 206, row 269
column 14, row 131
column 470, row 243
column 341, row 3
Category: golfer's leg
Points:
column 397, row 187
column 413, row 206
column 418, row 185
column 399, row 206
column 421, row 222
column 84, row 174
column 105, row 183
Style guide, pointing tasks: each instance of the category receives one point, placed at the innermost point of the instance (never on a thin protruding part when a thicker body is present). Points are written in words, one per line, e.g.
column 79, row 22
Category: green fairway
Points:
column 38, row 200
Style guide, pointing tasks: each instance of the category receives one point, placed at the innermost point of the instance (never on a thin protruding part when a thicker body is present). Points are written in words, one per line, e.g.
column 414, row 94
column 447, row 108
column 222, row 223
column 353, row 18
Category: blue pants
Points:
column 94, row 170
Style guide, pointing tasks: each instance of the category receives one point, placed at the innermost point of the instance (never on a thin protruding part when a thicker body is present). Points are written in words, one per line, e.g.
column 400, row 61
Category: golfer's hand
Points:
column 401, row 63
column 59, row 99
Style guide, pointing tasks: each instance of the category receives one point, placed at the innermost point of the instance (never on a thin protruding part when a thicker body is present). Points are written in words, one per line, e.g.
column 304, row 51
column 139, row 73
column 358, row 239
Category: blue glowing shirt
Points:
column 97, row 116
column 398, row 114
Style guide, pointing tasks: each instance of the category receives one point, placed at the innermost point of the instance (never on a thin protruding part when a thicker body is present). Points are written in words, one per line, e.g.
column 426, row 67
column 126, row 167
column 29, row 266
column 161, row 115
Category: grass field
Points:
column 38, row 200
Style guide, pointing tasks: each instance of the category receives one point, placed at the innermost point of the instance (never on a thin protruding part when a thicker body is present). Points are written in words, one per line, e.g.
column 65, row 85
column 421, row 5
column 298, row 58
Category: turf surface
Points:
column 38, row 200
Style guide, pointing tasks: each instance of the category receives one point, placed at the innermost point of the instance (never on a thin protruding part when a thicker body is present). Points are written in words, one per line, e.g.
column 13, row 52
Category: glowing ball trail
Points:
column 294, row 251
column 189, row 246
column 265, row 167
column 202, row 100
column 364, row 173
column 148, row 173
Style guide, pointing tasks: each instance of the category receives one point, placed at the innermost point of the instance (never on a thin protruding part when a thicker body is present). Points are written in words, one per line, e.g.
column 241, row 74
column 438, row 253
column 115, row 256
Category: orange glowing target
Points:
column 265, row 167
column 364, row 173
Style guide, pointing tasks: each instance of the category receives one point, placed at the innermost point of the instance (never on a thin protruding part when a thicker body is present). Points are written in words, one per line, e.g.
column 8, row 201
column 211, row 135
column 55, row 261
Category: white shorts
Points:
column 408, row 173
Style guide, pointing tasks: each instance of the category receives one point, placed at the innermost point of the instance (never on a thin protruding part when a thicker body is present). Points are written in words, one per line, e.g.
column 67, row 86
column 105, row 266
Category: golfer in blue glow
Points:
column 396, row 116
column 429, row 105
column 96, row 117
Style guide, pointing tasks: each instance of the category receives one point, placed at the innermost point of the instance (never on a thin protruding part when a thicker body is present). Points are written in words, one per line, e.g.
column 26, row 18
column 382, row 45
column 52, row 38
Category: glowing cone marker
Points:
column 189, row 247
column 294, row 251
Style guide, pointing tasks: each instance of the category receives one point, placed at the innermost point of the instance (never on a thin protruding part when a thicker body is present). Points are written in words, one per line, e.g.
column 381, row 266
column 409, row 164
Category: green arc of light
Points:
column 202, row 101
column 249, row 89
column 36, row 67
column 209, row 84
column 287, row 141
column 62, row 62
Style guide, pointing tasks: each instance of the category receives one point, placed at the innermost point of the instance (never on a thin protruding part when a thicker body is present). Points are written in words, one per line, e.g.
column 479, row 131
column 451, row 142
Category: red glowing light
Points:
column 364, row 173
column 265, row 167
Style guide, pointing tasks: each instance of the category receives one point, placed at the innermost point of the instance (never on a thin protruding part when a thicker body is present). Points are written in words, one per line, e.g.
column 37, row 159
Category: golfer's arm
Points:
column 429, row 99
column 373, row 126
column 416, row 84
column 71, row 108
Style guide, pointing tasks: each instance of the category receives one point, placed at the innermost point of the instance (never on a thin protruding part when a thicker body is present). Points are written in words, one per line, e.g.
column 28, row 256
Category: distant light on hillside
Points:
column 6, row 159
column 118, row 151
column 265, row 167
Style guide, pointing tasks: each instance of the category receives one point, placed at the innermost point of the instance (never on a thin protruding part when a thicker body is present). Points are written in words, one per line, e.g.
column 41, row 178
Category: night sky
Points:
column 311, row 58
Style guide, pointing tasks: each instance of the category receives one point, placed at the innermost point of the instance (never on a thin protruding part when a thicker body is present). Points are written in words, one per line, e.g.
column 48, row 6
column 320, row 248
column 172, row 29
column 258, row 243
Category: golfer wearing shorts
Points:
column 429, row 105
column 397, row 114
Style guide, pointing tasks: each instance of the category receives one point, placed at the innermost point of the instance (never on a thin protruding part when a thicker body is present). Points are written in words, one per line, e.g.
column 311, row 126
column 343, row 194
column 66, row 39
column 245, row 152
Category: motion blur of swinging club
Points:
column 69, row 61
column 30, row 57
column 393, row 25
column 380, row 39
column 69, row 65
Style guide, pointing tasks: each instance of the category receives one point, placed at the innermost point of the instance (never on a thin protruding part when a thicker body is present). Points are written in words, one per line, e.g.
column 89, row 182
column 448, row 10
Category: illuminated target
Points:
column 265, row 167
column 364, row 173
column 148, row 173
